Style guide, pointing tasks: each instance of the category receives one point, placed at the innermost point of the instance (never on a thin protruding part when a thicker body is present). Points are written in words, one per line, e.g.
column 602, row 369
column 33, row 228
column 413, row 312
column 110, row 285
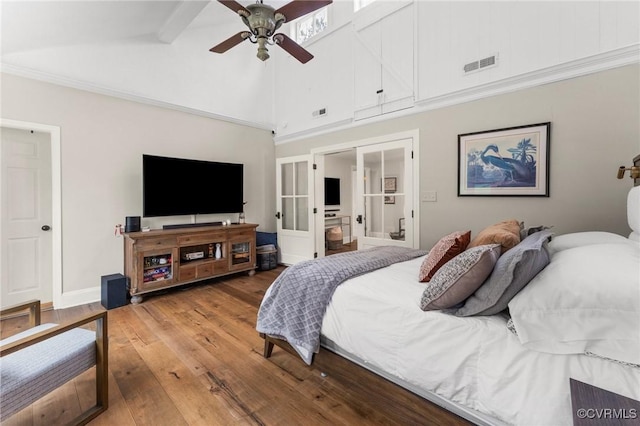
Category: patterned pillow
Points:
column 505, row 233
column 460, row 277
column 443, row 251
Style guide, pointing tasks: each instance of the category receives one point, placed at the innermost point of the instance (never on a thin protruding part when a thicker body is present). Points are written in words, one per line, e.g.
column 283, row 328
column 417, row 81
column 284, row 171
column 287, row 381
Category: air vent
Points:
column 471, row 66
column 319, row 112
column 481, row 64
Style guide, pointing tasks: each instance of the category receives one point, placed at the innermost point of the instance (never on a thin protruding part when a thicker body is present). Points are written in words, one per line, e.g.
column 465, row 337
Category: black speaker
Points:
column 113, row 291
column 132, row 224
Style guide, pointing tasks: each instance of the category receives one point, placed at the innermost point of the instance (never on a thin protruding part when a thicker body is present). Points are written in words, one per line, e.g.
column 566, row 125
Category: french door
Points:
column 385, row 197
column 294, row 189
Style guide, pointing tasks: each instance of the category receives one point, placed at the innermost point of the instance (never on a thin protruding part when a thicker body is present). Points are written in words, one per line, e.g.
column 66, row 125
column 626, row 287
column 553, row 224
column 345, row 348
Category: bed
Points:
column 511, row 366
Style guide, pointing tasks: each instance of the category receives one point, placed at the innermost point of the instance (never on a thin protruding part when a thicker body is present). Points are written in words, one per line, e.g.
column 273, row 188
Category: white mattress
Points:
column 475, row 362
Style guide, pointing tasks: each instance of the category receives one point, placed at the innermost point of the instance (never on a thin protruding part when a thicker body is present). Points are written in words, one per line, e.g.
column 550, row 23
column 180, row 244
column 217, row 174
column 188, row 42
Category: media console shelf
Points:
column 167, row 258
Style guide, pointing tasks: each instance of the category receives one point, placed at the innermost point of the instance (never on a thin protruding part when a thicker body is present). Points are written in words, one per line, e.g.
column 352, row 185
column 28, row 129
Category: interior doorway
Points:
column 301, row 205
column 339, row 201
column 375, row 215
column 30, row 224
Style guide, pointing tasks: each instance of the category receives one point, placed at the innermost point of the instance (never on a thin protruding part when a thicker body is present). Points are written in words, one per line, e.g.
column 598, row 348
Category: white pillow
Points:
column 586, row 300
column 579, row 239
column 633, row 212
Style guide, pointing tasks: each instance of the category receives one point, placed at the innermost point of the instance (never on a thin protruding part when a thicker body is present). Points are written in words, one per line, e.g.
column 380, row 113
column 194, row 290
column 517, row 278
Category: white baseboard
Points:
column 79, row 297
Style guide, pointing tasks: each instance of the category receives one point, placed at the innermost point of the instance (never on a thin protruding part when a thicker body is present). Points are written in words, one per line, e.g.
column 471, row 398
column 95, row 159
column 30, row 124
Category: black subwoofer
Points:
column 113, row 291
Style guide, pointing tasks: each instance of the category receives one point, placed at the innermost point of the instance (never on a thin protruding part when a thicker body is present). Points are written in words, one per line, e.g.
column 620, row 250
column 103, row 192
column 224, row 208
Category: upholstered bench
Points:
column 40, row 359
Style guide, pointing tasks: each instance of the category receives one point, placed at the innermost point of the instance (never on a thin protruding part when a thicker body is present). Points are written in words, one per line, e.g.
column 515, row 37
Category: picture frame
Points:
column 390, row 184
column 513, row 161
column 389, row 199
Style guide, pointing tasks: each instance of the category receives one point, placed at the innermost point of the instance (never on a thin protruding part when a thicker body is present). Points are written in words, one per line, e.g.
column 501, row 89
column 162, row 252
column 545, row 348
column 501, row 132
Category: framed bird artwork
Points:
column 505, row 162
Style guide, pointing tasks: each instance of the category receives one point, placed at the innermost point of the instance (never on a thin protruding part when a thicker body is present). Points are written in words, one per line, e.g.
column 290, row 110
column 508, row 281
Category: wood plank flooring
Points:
column 192, row 356
column 352, row 246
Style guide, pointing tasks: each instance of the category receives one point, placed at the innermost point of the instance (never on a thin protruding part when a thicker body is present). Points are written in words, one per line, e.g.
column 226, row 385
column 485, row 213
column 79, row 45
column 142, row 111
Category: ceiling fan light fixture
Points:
column 263, row 20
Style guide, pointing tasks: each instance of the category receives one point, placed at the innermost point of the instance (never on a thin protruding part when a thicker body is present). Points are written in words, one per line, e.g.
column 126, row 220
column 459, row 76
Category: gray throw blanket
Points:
column 293, row 307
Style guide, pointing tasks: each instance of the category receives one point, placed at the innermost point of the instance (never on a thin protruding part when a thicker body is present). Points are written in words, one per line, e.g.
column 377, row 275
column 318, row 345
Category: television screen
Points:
column 177, row 186
column 331, row 191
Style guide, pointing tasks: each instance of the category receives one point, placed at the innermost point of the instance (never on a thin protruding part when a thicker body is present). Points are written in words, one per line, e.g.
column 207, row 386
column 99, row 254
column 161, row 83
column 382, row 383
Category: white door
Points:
column 25, row 222
column 384, row 195
column 294, row 186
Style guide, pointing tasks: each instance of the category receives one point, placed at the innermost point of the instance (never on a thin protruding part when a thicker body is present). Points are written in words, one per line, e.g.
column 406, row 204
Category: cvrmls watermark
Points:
column 607, row 413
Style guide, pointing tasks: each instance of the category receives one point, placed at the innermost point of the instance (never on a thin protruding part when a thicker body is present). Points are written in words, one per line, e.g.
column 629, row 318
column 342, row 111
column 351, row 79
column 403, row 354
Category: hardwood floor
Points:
column 352, row 246
column 192, row 356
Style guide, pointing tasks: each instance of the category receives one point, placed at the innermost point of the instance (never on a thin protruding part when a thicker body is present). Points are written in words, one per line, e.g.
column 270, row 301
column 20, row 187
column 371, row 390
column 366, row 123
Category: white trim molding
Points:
column 616, row 58
column 78, row 297
column 601, row 62
column 90, row 87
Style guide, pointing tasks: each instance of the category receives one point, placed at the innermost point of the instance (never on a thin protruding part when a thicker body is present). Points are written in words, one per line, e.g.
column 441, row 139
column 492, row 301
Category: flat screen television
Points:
column 178, row 186
column 331, row 191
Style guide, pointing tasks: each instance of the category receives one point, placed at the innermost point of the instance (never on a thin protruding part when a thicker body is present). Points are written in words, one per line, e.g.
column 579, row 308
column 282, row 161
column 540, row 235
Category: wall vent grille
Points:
column 481, row 64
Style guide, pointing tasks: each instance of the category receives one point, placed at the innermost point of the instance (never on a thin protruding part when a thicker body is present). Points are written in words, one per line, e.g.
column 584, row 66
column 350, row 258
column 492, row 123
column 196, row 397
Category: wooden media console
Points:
column 161, row 259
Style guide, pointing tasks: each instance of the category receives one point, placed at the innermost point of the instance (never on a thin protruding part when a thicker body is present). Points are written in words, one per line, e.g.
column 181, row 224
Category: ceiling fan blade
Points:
column 230, row 42
column 233, row 5
column 297, row 8
column 293, row 48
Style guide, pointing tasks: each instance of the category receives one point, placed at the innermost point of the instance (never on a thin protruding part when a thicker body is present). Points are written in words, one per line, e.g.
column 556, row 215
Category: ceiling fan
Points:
column 263, row 20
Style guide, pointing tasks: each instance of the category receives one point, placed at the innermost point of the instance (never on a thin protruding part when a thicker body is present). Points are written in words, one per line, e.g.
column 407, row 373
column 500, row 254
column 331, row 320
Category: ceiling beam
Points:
column 184, row 13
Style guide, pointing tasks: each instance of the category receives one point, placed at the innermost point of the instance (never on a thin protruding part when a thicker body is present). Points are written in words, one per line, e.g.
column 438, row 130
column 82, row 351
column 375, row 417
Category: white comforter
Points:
column 476, row 362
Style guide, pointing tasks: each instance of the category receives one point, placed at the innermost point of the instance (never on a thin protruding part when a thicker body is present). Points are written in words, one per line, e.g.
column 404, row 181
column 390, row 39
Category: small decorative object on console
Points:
column 193, row 255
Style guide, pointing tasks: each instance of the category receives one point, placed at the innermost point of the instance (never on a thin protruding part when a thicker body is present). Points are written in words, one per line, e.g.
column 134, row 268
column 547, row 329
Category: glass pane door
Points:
column 293, row 183
column 385, row 194
column 295, row 196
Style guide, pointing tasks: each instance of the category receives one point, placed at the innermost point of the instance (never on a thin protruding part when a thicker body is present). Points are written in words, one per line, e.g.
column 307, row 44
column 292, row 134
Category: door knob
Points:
column 359, row 219
column 45, row 227
column 278, row 215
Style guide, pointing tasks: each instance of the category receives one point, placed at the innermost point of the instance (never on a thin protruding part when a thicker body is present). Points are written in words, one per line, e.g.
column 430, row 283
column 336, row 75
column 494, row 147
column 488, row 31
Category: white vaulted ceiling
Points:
column 157, row 51
column 147, row 50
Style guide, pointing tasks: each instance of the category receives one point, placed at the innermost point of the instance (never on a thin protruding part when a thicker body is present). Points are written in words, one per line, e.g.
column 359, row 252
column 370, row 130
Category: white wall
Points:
column 595, row 128
column 102, row 142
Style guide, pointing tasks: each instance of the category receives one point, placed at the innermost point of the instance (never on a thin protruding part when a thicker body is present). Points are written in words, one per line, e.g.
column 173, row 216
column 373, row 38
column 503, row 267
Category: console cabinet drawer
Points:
column 187, row 273
column 203, row 270
column 189, row 240
column 156, row 243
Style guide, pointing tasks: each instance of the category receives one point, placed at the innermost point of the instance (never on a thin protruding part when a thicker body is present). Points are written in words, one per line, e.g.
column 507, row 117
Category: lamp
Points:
column 634, row 172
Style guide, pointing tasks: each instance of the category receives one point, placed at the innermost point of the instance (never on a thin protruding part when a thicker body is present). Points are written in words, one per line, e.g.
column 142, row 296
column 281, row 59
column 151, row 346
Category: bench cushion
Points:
column 30, row 373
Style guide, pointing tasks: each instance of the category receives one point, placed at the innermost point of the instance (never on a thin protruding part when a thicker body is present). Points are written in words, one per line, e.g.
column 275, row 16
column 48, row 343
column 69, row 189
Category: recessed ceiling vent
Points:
column 480, row 64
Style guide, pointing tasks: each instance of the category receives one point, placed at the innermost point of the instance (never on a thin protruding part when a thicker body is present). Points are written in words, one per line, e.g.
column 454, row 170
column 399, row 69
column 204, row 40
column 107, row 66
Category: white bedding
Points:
column 475, row 361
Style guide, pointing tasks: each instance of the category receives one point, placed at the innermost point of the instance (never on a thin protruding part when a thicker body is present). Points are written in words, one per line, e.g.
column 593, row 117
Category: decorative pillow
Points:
column 505, row 233
column 512, row 273
column 459, row 277
column 579, row 239
column 586, row 300
column 633, row 213
column 525, row 232
column 443, row 251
